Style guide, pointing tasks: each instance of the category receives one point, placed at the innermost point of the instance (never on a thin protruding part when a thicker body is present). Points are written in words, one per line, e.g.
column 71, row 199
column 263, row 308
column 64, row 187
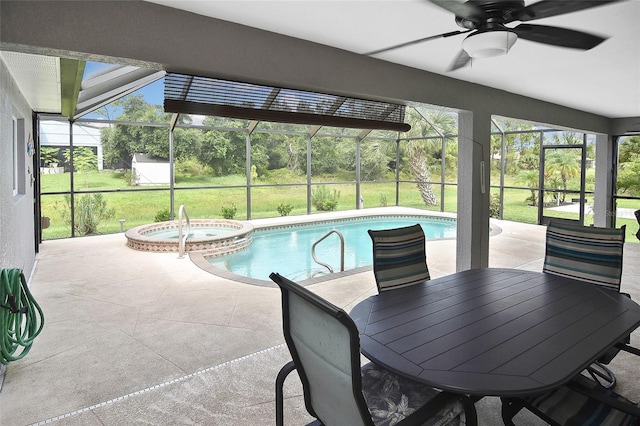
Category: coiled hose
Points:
column 21, row 318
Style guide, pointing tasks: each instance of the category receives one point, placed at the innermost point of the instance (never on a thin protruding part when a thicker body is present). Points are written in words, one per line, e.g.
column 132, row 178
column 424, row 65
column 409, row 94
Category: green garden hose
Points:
column 21, row 318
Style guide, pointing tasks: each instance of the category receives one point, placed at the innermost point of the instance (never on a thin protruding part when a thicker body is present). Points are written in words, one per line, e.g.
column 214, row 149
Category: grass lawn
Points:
column 140, row 205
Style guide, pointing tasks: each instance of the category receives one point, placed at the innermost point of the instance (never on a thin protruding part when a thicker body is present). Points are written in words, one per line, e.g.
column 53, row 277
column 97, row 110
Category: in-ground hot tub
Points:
column 217, row 237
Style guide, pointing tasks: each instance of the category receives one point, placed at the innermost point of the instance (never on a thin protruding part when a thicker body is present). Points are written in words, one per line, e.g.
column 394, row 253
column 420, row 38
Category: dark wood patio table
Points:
column 493, row 332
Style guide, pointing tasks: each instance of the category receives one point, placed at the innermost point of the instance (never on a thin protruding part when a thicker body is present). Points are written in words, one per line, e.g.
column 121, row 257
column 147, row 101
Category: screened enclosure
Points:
column 243, row 168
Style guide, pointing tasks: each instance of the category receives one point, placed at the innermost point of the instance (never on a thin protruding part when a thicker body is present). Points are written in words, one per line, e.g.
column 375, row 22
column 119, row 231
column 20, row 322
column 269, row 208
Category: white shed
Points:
column 150, row 170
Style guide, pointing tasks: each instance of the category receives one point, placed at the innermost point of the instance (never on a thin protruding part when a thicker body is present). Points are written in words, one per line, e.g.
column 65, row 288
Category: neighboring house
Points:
column 55, row 134
column 150, row 170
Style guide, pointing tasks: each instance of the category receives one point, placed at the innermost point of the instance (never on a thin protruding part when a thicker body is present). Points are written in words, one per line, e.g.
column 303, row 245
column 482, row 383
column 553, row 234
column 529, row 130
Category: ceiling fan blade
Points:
column 461, row 9
column 548, row 8
column 558, row 36
column 461, row 60
column 420, row 40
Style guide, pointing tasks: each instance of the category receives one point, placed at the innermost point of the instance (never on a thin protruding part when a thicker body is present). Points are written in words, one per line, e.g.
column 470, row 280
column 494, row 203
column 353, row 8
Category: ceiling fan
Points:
column 487, row 21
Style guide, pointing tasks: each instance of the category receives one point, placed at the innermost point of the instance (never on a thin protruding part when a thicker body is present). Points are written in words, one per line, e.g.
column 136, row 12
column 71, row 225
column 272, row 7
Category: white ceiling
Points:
column 38, row 78
column 604, row 80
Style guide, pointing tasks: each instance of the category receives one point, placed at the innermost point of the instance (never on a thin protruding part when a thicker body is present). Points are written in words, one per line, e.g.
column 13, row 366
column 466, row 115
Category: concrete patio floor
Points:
column 146, row 338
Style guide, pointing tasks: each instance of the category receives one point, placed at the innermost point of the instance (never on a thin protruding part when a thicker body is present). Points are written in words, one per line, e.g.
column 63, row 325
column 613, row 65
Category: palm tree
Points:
column 565, row 165
column 627, row 148
column 417, row 160
column 426, row 122
column 418, row 153
column 530, row 178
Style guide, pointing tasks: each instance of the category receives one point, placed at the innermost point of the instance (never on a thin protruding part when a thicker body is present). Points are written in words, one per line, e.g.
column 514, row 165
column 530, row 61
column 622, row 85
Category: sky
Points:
column 153, row 93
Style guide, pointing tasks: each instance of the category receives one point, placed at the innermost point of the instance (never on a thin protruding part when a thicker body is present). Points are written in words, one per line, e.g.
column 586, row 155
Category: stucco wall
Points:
column 17, row 247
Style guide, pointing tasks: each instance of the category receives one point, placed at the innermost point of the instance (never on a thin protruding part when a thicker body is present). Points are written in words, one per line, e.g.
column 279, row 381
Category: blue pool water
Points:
column 196, row 232
column 288, row 250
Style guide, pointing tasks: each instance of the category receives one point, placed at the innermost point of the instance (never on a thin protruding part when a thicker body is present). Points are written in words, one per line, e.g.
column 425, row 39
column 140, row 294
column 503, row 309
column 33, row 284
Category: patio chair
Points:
column 637, row 214
column 325, row 346
column 580, row 402
column 399, row 257
column 592, row 255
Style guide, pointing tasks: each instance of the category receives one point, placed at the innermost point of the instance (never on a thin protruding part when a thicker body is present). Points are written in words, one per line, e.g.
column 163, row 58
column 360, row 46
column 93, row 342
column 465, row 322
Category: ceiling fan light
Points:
column 487, row 44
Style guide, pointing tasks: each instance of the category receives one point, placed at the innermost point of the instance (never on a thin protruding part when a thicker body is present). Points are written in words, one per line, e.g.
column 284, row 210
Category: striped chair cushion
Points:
column 585, row 253
column 567, row 406
column 399, row 257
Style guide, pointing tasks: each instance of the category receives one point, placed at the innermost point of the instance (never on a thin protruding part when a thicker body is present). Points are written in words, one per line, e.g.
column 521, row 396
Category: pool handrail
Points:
column 326, row 265
column 182, row 241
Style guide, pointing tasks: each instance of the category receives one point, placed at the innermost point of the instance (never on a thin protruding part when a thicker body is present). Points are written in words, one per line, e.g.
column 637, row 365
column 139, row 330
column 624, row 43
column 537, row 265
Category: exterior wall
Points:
column 17, row 248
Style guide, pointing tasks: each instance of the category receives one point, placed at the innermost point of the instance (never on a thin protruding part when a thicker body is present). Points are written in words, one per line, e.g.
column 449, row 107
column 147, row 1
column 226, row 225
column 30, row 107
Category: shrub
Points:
column 130, row 177
column 324, row 199
column 494, row 206
column 229, row 211
column 284, row 209
column 383, row 200
column 163, row 215
column 89, row 210
column 191, row 166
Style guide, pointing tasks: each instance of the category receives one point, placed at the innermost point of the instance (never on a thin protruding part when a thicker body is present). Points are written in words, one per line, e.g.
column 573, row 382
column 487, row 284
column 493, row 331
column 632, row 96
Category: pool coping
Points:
column 199, row 258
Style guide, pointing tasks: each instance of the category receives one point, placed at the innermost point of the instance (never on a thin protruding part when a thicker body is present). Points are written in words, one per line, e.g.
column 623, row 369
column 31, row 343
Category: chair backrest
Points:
column 585, row 253
column 325, row 346
column 399, row 257
column 637, row 214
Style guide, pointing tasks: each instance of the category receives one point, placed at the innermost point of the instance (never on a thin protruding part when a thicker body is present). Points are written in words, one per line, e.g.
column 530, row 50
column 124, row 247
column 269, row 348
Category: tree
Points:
column 325, row 156
column 565, row 165
column 278, row 150
column 420, row 155
column 224, row 151
column 568, row 138
column 49, row 155
column 84, row 160
column 418, row 164
column 629, row 175
column 530, row 178
column 627, row 148
column 121, row 141
column 375, row 159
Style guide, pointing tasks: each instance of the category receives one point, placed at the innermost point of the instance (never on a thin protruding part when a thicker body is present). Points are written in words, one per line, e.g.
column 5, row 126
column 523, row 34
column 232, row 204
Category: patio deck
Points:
column 147, row 338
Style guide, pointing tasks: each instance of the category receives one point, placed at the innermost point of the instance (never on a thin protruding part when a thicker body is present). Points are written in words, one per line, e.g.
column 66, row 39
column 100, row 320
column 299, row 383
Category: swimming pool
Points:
column 287, row 249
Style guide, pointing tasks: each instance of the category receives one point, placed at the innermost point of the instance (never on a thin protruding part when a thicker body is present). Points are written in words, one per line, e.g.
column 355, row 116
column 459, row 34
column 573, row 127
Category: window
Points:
column 18, row 149
column 14, row 145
